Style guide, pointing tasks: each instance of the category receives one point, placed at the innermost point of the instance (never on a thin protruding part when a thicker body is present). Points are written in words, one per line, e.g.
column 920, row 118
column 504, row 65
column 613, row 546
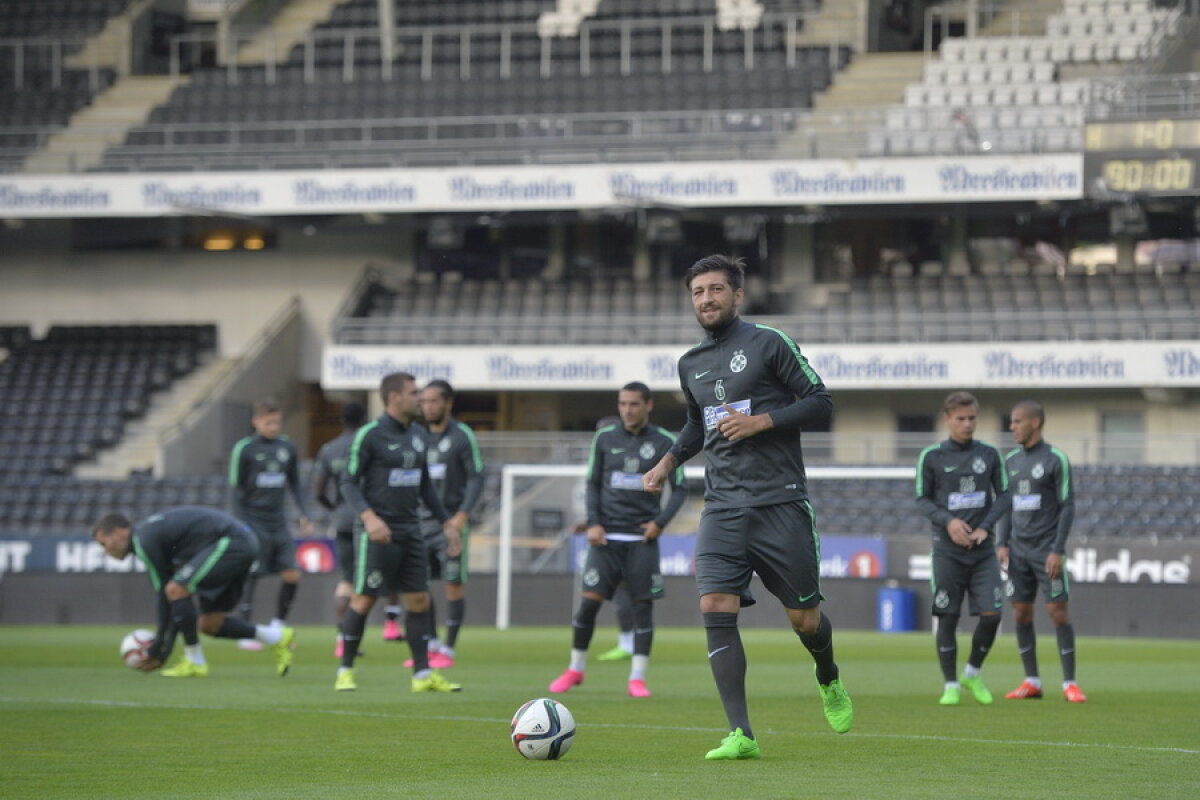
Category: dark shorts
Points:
column 451, row 569
column 344, row 546
column 974, row 573
column 400, row 566
column 217, row 574
column 276, row 551
column 1027, row 571
column 779, row 542
column 636, row 564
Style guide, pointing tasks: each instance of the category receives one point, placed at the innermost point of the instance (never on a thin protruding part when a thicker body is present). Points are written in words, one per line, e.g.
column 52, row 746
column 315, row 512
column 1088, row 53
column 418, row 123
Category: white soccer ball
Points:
column 135, row 646
column 543, row 729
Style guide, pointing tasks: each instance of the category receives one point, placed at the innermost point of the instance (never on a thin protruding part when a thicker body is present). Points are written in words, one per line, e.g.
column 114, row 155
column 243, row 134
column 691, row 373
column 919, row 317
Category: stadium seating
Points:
column 1003, row 307
column 66, row 396
column 474, row 88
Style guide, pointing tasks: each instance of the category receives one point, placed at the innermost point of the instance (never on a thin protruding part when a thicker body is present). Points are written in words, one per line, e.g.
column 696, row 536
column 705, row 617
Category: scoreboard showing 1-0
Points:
column 1149, row 156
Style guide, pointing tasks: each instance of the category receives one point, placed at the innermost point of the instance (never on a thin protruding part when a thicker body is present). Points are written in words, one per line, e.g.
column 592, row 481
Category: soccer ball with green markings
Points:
column 543, row 729
column 135, row 646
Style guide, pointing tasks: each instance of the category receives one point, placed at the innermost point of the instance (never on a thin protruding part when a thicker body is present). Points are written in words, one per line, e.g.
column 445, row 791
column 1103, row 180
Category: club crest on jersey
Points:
column 719, row 390
column 738, row 362
column 646, row 451
column 418, row 444
column 979, row 466
column 444, row 444
column 374, row 579
column 591, row 577
column 282, row 454
column 941, row 599
column 1037, row 471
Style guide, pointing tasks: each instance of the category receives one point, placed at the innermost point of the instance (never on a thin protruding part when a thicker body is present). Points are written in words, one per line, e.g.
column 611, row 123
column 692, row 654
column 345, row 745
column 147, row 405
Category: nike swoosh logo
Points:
column 393, row 446
column 949, row 469
column 719, row 649
column 1067, row 652
column 947, row 649
column 616, row 451
column 810, row 596
column 700, row 375
column 1013, row 471
column 1023, row 651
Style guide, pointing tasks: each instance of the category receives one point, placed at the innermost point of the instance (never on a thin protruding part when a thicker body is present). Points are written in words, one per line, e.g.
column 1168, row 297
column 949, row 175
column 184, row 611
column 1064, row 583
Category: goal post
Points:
column 569, row 480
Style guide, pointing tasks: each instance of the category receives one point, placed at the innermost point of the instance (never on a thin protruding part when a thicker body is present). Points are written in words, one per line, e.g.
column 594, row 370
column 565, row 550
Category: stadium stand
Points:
column 66, row 396
column 883, row 308
column 38, row 93
column 481, row 84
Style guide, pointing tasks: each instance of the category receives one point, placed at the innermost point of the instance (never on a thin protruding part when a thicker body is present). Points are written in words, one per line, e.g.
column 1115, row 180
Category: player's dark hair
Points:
column 267, row 405
column 1034, row 409
column 734, row 269
column 638, row 386
column 394, row 382
column 957, row 400
column 442, row 386
column 353, row 414
column 111, row 522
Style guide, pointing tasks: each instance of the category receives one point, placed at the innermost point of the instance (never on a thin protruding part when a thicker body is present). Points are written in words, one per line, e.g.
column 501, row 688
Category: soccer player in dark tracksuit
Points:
column 750, row 394
column 623, row 526
column 262, row 469
column 962, row 487
column 456, row 469
column 385, row 481
column 1031, row 544
column 188, row 551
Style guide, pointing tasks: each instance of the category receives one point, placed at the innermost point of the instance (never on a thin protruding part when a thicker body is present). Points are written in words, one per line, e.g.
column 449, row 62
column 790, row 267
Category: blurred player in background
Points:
column 1032, row 541
column 263, row 468
column 197, row 551
column 623, row 526
column 385, row 481
column 750, row 394
column 962, row 487
column 456, row 469
column 331, row 461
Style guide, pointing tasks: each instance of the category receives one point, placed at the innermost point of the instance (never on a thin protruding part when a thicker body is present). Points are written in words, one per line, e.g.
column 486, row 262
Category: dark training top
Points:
column 260, row 472
column 1043, row 500
column 455, row 466
column 331, row 462
column 387, row 473
column 615, row 497
column 967, row 481
column 166, row 541
column 755, row 369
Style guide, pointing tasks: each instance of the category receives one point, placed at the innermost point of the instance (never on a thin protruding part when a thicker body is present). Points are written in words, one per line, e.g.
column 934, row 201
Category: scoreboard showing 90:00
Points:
column 1148, row 156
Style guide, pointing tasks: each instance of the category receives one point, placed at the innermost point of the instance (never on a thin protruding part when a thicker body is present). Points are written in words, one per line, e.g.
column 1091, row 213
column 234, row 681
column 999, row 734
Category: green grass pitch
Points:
column 79, row 724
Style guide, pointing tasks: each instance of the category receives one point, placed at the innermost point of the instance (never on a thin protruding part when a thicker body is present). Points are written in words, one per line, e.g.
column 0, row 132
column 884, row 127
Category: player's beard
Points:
column 722, row 321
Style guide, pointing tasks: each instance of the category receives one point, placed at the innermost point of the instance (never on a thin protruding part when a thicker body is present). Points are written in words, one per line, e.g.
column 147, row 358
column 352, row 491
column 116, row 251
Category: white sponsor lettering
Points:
column 12, row 556
column 1085, row 566
column 404, row 477
column 628, row 481
column 1027, row 502
column 961, row 500
column 90, row 557
column 270, row 480
column 437, row 471
column 714, row 414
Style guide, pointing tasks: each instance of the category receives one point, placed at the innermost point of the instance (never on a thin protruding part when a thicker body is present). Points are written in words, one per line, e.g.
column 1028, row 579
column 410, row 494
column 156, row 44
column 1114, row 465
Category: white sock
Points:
column 425, row 673
column 625, row 641
column 343, row 669
column 1066, row 684
column 276, row 623
column 391, row 610
column 434, row 645
column 194, row 653
column 579, row 660
column 448, row 652
column 340, row 637
column 638, row 671
column 1035, row 681
column 952, row 685
column 268, row 634
column 970, row 671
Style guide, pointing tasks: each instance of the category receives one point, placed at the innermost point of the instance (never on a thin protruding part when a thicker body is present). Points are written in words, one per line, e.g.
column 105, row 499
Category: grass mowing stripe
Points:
column 636, row 726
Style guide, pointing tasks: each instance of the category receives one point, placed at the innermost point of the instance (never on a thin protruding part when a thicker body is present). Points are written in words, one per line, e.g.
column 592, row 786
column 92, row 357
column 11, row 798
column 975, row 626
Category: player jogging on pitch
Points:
column 750, row 394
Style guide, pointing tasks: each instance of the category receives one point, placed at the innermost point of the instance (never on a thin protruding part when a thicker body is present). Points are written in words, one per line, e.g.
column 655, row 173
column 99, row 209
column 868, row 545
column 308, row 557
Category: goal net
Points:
column 539, row 528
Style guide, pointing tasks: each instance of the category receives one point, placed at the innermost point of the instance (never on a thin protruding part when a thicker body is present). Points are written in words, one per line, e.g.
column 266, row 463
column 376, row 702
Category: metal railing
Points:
column 908, row 325
column 20, row 52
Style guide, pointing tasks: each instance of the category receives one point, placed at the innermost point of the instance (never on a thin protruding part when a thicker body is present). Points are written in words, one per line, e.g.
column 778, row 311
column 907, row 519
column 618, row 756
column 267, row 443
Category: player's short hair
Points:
column 442, row 386
column 393, row 382
column 958, row 400
column 734, row 269
column 353, row 414
column 111, row 522
column 267, row 405
column 1034, row 409
column 638, row 386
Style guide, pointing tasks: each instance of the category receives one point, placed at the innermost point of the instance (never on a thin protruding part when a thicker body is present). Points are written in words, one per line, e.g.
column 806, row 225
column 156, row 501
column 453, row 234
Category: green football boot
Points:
column 951, row 697
column 734, row 747
column 838, row 708
column 977, row 689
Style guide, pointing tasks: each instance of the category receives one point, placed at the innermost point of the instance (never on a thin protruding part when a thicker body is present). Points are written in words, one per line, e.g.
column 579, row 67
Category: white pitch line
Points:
column 345, row 712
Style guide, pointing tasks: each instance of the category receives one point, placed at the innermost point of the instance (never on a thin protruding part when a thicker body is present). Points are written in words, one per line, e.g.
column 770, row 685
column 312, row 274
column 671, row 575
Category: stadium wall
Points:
column 43, row 282
column 109, row 599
